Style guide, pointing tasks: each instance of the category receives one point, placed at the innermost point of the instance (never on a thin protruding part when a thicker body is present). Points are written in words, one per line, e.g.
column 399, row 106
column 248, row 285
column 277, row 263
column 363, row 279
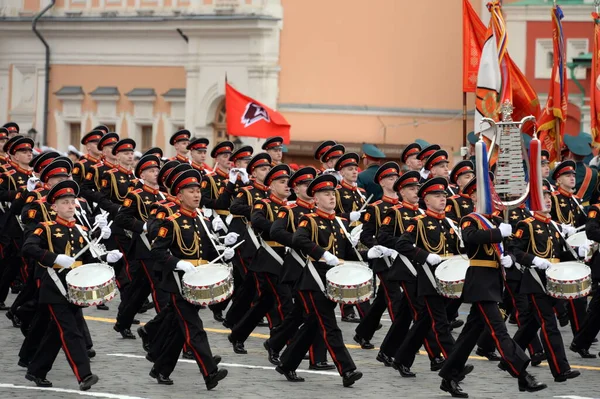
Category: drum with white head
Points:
column 350, row 283
column 91, row 285
column 207, row 285
column 450, row 276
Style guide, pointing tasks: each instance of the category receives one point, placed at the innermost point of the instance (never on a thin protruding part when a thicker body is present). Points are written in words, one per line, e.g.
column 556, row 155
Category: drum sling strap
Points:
column 348, row 236
column 458, row 233
column 430, row 276
column 57, row 281
column 315, row 275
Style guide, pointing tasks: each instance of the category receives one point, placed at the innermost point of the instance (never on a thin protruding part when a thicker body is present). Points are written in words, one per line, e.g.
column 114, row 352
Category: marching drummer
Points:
column 460, row 204
column 483, row 235
column 394, row 224
column 388, row 294
column 182, row 244
column 321, row 238
column 536, row 245
column 56, row 246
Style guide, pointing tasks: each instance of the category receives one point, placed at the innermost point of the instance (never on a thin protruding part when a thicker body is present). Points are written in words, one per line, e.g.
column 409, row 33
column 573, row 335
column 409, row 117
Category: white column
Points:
column 4, row 94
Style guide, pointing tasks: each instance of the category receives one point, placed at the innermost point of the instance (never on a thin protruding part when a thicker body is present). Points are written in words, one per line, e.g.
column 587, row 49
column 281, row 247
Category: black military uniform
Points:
column 83, row 166
column 460, row 204
column 13, row 182
column 49, row 241
column 216, row 190
column 92, row 184
column 411, row 150
column 388, row 295
column 424, row 155
column 282, row 231
column 427, row 234
column 482, row 288
column 537, row 237
column 241, row 209
column 566, row 209
column 180, row 135
column 319, row 234
column 321, row 150
column 199, row 144
column 266, row 265
column 133, row 216
column 182, row 238
column 591, row 326
column 350, row 198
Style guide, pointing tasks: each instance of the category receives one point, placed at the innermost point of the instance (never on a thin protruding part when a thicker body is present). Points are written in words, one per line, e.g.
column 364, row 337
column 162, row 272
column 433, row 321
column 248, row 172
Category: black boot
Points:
column 453, row 389
column 528, row 383
column 404, row 371
column 272, row 355
column 213, row 379
column 364, row 343
column 14, row 319
column 289, row 375
column 437, row 363
column 125, row 332
column 584, row 353
column 351, row 318
column 567, row 375
column 40, row 382
column 238, row 347
column 218, row 316
column 385, row 359
column 161, row 379
column 102, row 307
column 145, row 339
column 87, row 382
column 537, row 358
column 321, row 366
column 492, row 356
column 350, row 377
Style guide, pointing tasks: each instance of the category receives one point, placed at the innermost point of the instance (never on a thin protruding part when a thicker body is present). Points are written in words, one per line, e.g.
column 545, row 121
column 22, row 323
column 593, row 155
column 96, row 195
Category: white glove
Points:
column 145, row 227
column 506, row 261
column 113, row 256
column 330, row 259
column 233, row 175
column 541, row 263
column 355, row 215
column 64, row 260
column 583, row 250
column 217, row 223
column 463, row 151
column 185, row 266
column 505, row 229
column 228, row 253
column 375, row 252
column 433, row 259
column 244, row 176
column 568, row 230
column 32, row 183
column 231, row 238
column 101, row 221
column 353, row 240
column 106, row 232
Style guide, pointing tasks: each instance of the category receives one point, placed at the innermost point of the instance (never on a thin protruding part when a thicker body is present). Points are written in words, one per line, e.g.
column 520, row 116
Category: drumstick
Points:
column 90, row 243
column 223, row 254
column 580, row 228
column 362, row 208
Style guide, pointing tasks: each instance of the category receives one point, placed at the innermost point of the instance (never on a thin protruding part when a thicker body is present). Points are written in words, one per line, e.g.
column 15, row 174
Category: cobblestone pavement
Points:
column 123, row 370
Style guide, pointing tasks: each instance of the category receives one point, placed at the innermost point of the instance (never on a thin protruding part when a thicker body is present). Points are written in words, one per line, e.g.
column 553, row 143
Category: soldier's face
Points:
column 464, row 179
column 350, row 173
column 261, row 172
column 198, row 156
column 242, row 163
column 125, row 158
column 65, row 207
column 276, row 154
column 331, row 163
column 280, row 188
column 436, row 202
column 223, row 160
column 190, row 197
column 23, row 157
column 107, row 153
column 150, row 176
column 181, row 146
column 545, row 170
column 53, row 181
column 547, row 202
column 300, row 191
column 440, row 170
column 414, row 163
column 325, row 200
column 410, row 194
column 566, row 181
column 2, row 142
column 387, row 183
column 92, row 149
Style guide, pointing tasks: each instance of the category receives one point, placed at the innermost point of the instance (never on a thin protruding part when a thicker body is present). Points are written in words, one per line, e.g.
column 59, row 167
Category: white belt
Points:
column 429, row 275
column 409, row 265
column 271, row 251
column 253, row 237
column 144, row 238
column 297, row 257
column 57, row 281
column 316, row 277
column 537, row 278
column 176, row 275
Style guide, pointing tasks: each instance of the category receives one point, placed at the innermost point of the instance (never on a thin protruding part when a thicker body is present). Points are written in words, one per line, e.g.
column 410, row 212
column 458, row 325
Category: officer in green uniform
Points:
column 373, row 157
column 586, row 177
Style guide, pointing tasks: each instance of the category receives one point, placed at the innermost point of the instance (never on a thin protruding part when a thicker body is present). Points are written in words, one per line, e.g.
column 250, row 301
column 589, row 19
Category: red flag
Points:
column 554, row 115
column 248, row 117
column 595, row 84
column 474, row 34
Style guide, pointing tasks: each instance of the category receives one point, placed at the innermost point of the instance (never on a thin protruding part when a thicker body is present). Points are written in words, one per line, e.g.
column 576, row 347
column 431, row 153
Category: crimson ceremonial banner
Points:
column 595, row 84
column 474, row 34
column 248, row 117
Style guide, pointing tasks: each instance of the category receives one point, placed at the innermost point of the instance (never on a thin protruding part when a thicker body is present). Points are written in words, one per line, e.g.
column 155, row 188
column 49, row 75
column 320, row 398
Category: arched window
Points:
column 220, row 124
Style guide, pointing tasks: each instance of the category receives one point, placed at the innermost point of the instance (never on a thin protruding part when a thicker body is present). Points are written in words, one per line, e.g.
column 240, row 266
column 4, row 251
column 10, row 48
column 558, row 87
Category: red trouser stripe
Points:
column 415, row 317
column 333, row 357
column 279, row 306
column 575, row 315
column 517, row 315
column 187, row 336
column 545, row 332
column 64, row 345
column 388, row 300
column 124, row 260
column 310, row 350
column 152, row 288
column 495, row 337
column 437, row 338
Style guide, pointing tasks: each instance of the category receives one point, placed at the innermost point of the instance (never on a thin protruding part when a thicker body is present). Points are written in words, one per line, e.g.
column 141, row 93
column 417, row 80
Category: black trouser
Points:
column 410, row 308
column 577, row 309
column 186, row 328
column 158, row 330
column 543, row 316
column 281, row 335
column 363, row 309
column 388, row 298
column 484, row 315
column 28, row 291
column 242, row 299
column 270, row 294
column 591, row 326
column 62, row 331
column 37, row 329
column 431, row 317
column 452, row 306
column 12, row 266
column 319, row 318
column 519, row 303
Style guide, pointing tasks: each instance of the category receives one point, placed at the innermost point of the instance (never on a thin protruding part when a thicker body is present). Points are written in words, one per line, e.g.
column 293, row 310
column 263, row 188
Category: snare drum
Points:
column 450, row 276
column 207, row 285
column 577, row 239
column 92, row 284
column 568, row 280
column 350, row 283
